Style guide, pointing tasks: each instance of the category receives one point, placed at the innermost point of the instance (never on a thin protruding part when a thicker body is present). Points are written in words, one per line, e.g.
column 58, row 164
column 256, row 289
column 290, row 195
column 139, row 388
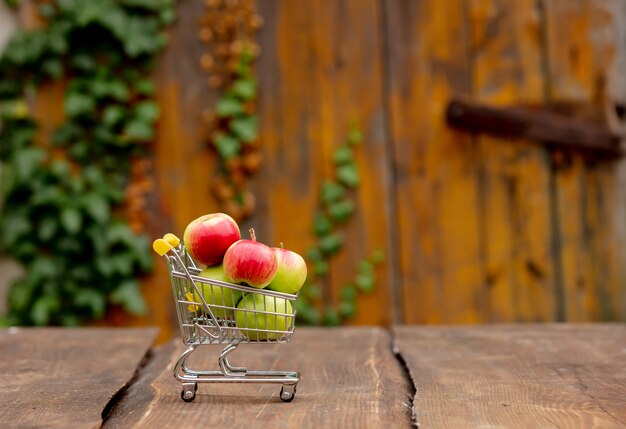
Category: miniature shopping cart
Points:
column 208, row 314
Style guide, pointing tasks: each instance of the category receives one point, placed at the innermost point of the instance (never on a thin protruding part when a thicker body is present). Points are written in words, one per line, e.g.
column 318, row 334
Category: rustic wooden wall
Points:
column 474, row 228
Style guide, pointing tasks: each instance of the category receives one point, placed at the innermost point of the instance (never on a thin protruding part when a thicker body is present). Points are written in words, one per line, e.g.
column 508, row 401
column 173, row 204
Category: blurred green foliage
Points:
column 336, row 208
column 60, row 196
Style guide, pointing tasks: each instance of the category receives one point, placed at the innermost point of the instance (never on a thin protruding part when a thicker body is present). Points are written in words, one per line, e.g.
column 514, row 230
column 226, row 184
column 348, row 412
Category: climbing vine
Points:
column 228, row 29
column 336, row 208
column 68, row 197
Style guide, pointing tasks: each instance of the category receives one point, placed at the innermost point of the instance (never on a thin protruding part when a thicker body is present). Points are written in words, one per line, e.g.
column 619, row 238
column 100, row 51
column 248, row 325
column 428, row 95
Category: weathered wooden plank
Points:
column 64, row 378
column 183, row 162
column 440, row 265
column 350, row 379
column 517, row 376
column 506, row 70
column 580, row 53
column 318, row 58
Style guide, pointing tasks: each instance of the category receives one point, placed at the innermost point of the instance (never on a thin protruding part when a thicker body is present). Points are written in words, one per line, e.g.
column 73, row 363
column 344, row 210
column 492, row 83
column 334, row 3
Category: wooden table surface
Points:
column 503, row 376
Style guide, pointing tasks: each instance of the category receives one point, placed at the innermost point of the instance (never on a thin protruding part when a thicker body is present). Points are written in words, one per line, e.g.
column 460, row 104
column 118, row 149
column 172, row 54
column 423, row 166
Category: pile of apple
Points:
column 214, row 240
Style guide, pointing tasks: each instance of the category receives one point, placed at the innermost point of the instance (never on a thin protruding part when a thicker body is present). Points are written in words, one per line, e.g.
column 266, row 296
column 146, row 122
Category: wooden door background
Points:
column 474, row 228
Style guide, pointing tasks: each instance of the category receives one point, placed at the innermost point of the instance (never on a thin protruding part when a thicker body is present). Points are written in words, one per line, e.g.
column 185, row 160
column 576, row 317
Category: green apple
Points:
column 291, row 272
column 255, row 320
column 217, row 295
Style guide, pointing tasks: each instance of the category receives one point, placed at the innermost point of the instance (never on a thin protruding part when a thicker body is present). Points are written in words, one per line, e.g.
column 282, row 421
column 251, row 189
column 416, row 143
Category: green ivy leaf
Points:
column 228, row 106
column 53, row 67
column 313, row 291
column 92, row 299
column 47, row 228
column 113, row 115
column 322, row 225
column 147, row 111
column 366, row 267
column 314, row 254
column 377, row 257
column 245, row 127
column 343, row 155
column 14, row 226
column 97, row 206
column 26, row 162
column 66, row 133
column 20, row 294
column 331, row 317
column 77, row 104
column 71, row 220
column 355, row 136
column 348, row 292
column 347, row 309
column 43, row 268
column 227, row 146
column 139, row 130
column 331, row 192
column 330, row 244
column 145, row 87
column 42, row 309
column 129, row 296
column 365, row 282
column 321, row 268
column 245, row 88
column 348, row 174
column 341, row 211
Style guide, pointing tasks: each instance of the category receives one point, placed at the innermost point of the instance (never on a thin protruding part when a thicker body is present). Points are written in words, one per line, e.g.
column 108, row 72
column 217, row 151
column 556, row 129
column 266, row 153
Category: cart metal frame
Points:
column 207, row 314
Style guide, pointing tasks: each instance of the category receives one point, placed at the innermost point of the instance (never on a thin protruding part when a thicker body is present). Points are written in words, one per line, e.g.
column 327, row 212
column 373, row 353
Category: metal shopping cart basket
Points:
column 208, row 314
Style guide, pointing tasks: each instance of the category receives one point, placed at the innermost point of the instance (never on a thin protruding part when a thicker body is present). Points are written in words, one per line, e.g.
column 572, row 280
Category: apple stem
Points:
column 281, row 245
column 252, row 234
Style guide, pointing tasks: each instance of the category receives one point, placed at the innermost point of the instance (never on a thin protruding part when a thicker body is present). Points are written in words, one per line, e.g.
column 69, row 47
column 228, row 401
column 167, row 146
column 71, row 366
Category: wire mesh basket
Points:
column 212, row 311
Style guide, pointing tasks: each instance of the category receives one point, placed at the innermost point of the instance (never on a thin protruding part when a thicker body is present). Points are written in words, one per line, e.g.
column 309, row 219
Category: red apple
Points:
column 250, row 262
column 291, row 272
column 208, row 237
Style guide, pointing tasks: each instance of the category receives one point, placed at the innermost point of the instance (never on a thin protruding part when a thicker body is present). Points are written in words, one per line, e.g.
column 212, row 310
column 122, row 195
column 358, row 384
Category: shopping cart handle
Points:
column 161, row 246
column 171, row 239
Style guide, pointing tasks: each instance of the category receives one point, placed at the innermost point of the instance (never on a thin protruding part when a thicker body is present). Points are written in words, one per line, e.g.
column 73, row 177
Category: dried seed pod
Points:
column 256, row 22
column 233, row 209
column 208, row 116
column 233, row 164
column 255, row 49
column 222, row 50
column 250, row 107
column 236, row 47
column 223, row 191
column 206, row 35
column 215, row 81
column 207, row 62
column 252, row 161
column 231, row 3
column 213, row 3
column 238, row 177
column 249, row 204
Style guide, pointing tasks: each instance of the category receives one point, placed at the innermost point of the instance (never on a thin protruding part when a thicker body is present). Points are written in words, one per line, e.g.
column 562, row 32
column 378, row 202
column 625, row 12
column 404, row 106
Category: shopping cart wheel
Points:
column 288, row 392
column 188, row 393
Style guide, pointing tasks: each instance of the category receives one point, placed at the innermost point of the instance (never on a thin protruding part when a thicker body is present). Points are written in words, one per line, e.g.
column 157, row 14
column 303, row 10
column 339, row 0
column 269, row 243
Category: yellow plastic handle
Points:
column 161, row 246
column 171, row 239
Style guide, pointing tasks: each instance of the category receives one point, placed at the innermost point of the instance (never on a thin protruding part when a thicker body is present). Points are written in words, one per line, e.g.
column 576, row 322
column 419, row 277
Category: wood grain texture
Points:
column 440, row 266
column 580, row 54
column 350, row 379
column 321, row 71
column 184, row 165
column 517, row 376
column 64, row 378
column 506, row 70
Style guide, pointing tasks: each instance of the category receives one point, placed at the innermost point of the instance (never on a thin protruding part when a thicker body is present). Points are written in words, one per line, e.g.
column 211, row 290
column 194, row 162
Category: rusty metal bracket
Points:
column 551, row 129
